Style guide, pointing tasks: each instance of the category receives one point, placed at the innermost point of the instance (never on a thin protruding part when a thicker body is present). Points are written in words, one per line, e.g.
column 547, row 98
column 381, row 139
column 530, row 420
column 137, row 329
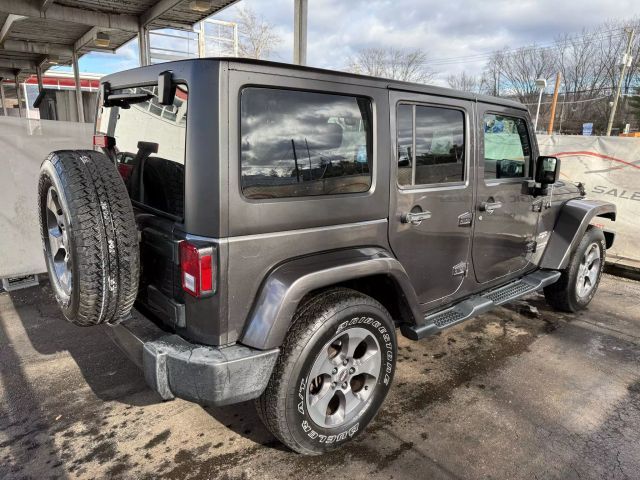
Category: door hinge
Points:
column 465, row 219
column 459, row 269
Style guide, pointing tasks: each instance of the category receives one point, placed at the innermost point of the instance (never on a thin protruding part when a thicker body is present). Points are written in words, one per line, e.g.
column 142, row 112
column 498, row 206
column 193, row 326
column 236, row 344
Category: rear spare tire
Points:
column 89, row 237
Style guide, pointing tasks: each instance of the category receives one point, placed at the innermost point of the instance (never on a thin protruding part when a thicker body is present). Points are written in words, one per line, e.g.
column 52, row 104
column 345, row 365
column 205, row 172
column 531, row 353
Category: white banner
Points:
column 609, row 167
column 24, row 143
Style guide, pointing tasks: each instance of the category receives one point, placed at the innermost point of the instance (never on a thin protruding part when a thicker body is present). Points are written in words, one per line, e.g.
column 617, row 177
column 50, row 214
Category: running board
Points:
column 479, row 304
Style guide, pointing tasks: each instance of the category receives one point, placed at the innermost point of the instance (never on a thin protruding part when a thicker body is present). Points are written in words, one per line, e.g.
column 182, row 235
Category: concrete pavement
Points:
column 513, row 394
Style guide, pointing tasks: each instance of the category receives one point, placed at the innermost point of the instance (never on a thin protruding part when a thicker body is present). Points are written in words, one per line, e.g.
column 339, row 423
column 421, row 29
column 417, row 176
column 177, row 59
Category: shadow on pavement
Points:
column 109, row 374
column 23, row 422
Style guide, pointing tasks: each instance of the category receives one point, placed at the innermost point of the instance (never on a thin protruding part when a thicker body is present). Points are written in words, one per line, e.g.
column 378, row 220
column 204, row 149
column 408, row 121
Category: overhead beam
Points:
column 22, row 46
column 17, row 64
column 91, row 18
column 89, row 36
column 157, row 10
column 7, row 72
column 8, row 23
column 169, row 24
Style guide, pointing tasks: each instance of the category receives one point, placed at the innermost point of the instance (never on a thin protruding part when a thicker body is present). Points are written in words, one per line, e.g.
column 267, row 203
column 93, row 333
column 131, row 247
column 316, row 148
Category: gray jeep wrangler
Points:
column 252, row 230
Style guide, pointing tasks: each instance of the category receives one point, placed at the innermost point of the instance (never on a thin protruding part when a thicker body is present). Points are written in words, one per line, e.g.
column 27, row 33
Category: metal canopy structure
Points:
column 35, row 34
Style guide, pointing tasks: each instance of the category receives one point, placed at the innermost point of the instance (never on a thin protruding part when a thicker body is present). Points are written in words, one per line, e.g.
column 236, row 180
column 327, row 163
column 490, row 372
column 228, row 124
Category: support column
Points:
column 202, row 44
column 2, row 98
column 235, row 40
column 39, row 75
column 17, row 84
column 300, row 32
column 76, row 76
column 143, row 45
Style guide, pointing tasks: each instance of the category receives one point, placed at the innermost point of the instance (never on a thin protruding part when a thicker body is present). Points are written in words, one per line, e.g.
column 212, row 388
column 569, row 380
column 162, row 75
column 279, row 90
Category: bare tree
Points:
column 521, row 68
column 491, row 77
column 464, row 82
column 408, row 66
column 258, row 38
column 589, row 63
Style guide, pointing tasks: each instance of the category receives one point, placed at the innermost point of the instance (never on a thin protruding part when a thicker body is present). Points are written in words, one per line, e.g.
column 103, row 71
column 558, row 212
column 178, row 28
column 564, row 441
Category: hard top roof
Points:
column 320, row 73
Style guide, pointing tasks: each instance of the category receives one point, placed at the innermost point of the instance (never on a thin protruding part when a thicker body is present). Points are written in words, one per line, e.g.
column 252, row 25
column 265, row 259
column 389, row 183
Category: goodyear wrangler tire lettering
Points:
column 335, row 369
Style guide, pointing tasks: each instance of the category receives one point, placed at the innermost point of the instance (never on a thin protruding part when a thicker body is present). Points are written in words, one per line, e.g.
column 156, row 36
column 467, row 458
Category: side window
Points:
column 507, row 149
column 299, row 143
column 430, row 145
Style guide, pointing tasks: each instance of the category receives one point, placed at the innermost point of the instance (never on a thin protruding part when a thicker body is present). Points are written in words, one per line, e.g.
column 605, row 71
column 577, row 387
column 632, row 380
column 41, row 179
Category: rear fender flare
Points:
column 570, row 226
column 287, row 284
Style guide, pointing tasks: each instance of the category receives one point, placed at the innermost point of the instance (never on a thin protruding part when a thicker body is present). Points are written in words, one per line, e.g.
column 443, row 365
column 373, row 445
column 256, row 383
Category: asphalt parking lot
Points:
column 522, row 392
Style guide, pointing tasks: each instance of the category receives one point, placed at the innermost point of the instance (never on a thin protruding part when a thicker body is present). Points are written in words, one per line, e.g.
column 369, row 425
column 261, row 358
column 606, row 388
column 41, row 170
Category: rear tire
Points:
column 579, row 281
column 333, row 373
column 89, row 237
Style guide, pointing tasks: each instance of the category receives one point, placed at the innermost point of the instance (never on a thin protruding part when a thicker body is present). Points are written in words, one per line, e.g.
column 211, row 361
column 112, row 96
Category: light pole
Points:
column 626, row 63
column 541, row 83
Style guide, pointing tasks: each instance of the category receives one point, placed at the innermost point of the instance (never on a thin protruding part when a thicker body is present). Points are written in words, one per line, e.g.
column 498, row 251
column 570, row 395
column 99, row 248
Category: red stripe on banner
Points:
column 594, row 154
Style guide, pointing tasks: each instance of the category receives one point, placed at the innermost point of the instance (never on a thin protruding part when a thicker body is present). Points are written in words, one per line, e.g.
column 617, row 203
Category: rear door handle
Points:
column 489, row 207
column 416, row 218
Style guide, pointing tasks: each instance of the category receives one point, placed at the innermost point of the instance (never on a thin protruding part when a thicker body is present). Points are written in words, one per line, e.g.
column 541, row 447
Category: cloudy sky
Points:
column 454, row 34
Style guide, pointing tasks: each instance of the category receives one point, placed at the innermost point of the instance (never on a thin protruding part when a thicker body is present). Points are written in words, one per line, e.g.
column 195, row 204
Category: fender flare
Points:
column 570, row 226
column 287, row 284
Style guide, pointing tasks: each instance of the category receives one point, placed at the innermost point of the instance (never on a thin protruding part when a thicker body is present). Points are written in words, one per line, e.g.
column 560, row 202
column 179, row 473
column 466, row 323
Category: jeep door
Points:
column 506, row 216
column 431, row 191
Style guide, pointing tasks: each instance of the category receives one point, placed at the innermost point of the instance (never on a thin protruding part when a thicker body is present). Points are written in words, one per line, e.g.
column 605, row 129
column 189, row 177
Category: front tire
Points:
column 334, row 372
column 579, row 281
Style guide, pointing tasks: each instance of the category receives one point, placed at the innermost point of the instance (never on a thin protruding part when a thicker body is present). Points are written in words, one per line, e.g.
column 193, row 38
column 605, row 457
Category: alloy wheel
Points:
column 343, row 377
column 588, row 270
column 57, row 241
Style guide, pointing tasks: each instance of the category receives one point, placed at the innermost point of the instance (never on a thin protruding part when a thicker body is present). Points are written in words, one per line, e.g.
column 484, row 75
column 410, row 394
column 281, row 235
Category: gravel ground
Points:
column 513, row 394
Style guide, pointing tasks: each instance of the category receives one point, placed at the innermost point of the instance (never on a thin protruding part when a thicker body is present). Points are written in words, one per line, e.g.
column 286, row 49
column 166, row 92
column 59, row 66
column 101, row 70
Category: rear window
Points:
column 150, row 145
column 300, row 143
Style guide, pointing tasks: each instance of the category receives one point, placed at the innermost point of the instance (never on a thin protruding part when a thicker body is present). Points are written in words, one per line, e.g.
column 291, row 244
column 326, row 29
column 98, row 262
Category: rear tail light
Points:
column 125, row 171
column 104, row 141
column 197, row 269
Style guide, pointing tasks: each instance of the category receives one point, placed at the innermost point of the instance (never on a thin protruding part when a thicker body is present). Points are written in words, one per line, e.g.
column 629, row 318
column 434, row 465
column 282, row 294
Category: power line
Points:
column 586, row 38
column 571, row 101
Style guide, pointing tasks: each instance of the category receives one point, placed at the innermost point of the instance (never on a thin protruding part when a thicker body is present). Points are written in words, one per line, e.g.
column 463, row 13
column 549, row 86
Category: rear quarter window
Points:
column 150, row 146
column 301, row 143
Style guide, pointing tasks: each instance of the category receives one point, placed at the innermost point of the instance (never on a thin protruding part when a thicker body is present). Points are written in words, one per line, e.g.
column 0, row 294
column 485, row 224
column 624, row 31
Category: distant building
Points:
column 59, row 102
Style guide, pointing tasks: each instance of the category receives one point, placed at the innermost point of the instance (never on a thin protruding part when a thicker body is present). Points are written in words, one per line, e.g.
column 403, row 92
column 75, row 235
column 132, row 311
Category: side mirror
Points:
column 547, row 170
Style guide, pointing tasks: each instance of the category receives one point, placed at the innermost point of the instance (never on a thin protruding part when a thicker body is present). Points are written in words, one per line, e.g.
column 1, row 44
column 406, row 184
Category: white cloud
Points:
column 338, row 28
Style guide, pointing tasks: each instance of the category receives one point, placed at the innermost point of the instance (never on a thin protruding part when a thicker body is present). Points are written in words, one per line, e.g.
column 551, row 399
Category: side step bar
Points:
column 479, row 304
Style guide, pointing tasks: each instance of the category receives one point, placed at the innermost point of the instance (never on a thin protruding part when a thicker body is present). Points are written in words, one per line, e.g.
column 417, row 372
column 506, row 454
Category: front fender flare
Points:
column 570, row 226
column 286, row 285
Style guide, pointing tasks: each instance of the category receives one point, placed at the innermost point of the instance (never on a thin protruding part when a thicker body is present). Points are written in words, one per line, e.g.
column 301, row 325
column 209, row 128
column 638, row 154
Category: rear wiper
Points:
column 122, row 100
column 125, row 100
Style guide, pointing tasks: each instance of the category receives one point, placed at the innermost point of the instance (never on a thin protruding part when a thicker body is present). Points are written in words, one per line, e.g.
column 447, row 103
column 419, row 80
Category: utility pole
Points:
column 553, row 104
column 626, row 62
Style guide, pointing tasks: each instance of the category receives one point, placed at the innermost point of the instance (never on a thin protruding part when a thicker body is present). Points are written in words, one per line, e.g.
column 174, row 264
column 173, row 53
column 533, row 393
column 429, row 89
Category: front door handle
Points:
column 416, row 218
column 489, row 207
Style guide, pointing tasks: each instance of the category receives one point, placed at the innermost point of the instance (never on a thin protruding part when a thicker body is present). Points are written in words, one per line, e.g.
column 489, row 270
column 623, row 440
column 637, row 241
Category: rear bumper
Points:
column 207, row 375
